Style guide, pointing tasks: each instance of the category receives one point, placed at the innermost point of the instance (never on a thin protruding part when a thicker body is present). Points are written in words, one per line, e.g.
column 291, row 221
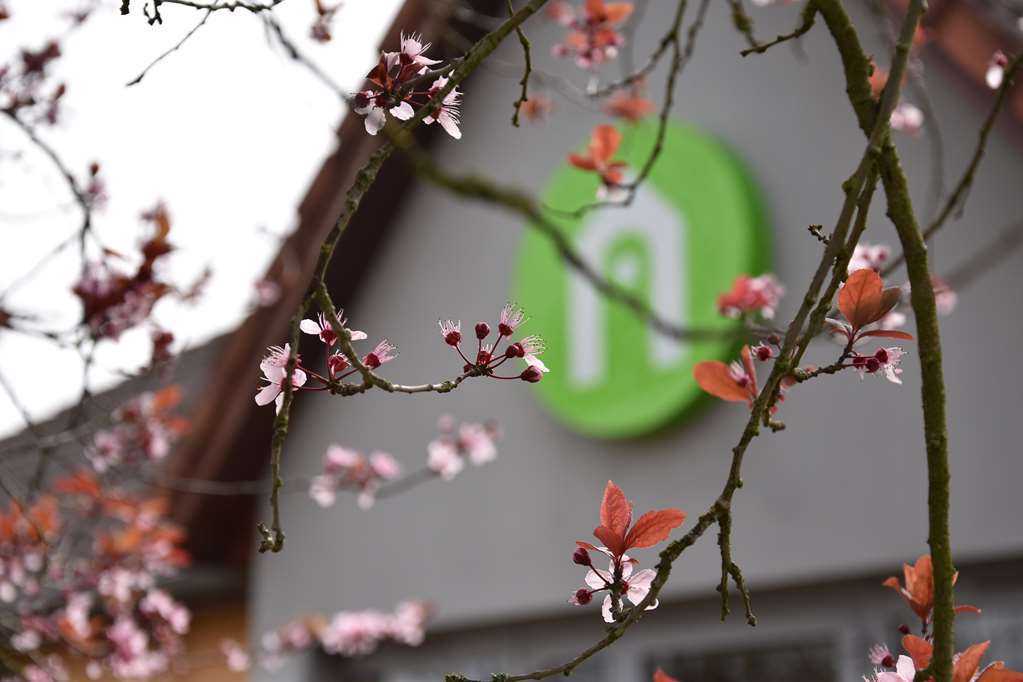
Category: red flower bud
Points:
column 581, row 557
column 904, row 629
column 531, row 374
column 453, row 338
column 482, row 330
column 515, row 351
column 583, row 596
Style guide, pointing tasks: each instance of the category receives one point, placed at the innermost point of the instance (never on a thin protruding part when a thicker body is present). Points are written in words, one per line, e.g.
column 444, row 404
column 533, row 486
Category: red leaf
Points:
column 654, row 527
column 604, row 143
column 889, row 334
column 860, row 298
column 968, row 662
column 583, row 162
column 715, row 378
column 919, row 649
column 998, row 673
column 615, row 510
column 612, row 540
column 661, row 676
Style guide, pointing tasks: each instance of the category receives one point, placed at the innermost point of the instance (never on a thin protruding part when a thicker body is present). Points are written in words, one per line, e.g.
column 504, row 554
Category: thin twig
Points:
column 175, row 48
column 527, row 69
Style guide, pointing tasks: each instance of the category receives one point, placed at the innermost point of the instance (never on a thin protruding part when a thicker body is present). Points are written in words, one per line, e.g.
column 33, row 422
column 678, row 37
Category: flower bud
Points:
column 515, row 350
column 453, row 338
column 531, row 374
column 904, row 629
column 482, row 330
column 583, row 596
column 581, row 557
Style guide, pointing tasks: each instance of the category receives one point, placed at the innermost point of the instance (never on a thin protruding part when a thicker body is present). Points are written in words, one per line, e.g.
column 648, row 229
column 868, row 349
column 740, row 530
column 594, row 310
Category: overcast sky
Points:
column 228, row 131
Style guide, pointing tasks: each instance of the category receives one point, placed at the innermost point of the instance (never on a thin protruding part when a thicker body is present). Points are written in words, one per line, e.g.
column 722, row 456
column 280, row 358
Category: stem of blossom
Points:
column 900, row 211
column 528, row 69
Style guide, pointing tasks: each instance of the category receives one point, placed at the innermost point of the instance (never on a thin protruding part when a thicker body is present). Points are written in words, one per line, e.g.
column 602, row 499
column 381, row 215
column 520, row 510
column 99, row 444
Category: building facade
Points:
column 830, row 506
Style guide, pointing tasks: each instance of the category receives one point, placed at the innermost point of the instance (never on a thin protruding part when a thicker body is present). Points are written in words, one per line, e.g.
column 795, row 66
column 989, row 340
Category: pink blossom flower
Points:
column 236, row 658
column 884, row 361
column 996, row 70
column 159, row 603
column 374, row 106
column 633, row 586
column 907, row 118
column 354, row 633
column 881, row 655
column 944, row 296
column 343, row 466
column 752, row 295
column 384, row 352
column 511, row 318
column 593, row 37
column 320, row 327
column 904, row 671
column 451, row 332
column 274, row 373
column 443, row 458
column 413, row 50
column 267, row 292
column 448, row 452
column 873, row 256
column 448, row 112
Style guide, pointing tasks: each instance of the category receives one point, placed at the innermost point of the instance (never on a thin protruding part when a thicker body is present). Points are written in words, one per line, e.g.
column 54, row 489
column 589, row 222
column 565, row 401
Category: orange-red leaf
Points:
column 889, row 334
column 615, row 510
column 919, row 649
column 968, row 662
column 999, row 673
column 604, row 143
column 860, row 298
column 612, row 540
column 654, row 527
column 715, row 378
column 583, row 162
column 616, row 12
column 661, row 676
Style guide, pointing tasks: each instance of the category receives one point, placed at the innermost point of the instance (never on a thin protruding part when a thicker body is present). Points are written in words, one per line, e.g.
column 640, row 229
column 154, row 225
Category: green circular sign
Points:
column 694, row 226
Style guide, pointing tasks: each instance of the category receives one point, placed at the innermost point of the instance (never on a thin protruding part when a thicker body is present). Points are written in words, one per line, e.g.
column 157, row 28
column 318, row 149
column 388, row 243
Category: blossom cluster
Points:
column 395, row 89
column 620, row 535
column 100, row 601
column 338, row 367
column 489, row 356
column 346, row 633
column 917, row 591
column 594, row 36
column 117, row 296
column 142, row 426
column 752, row 296
column 476, row 443
column 345, row 467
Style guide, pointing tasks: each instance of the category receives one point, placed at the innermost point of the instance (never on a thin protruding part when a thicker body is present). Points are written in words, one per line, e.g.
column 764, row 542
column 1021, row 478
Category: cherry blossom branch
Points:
column 272, row 537
column 857, row 68
column 527, row 69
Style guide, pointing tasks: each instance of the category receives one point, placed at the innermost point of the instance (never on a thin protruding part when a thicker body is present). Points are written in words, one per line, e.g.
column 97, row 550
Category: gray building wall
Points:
column 840, row 495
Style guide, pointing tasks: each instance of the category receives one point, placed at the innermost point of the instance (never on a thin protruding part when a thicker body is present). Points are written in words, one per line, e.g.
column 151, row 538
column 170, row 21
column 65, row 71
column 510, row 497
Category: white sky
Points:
column 228, row 131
